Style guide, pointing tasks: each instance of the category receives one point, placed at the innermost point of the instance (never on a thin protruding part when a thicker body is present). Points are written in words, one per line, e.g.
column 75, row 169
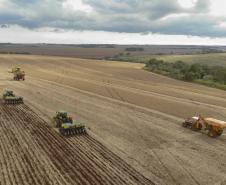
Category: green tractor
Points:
column 66, row 125
column 10, row 98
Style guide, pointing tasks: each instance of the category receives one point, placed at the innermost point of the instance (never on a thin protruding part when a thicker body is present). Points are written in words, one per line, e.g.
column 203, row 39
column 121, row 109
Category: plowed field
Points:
column 33, row 153
column 128, row 111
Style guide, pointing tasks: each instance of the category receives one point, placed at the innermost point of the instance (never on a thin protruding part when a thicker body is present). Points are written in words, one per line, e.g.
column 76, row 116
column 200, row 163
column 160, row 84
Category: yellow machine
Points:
column 214, row 127
column 18, row 73
column 15, row 69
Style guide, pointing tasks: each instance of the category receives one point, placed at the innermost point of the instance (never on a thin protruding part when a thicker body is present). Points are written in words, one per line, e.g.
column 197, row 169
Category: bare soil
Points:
column 34, row 153
column 135, row 114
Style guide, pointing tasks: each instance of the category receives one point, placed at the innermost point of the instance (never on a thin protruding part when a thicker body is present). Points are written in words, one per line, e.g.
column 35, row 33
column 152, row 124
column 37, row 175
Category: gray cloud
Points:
column 203, row 5
column 131, row 16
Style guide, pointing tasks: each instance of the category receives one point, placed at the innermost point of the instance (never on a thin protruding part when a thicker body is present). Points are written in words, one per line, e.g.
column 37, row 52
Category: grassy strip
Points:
column 211, row 84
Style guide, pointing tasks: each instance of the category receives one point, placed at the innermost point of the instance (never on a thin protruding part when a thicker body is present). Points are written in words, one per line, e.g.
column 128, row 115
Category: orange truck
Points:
column 214, row 127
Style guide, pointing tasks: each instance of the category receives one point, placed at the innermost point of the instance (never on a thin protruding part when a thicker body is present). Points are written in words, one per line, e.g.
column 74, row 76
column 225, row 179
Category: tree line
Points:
column 205, row 74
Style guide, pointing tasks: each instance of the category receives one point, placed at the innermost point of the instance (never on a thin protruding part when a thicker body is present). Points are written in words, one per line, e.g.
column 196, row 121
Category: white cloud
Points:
column 187, row 3
column 217, row 7
column 48, row 35
column 174, row 16
column 222, row 25
column 77, row 5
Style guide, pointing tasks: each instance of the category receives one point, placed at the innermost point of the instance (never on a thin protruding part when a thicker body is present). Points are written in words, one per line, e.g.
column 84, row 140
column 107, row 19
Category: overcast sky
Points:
column 113, row 21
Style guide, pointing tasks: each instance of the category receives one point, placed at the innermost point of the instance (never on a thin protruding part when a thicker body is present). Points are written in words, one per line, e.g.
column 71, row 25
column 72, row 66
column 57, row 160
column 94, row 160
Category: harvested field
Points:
column 103, row 51
column 135, row 114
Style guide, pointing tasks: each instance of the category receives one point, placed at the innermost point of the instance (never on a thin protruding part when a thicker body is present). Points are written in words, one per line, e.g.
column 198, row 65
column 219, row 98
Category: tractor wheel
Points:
column 196, row 127
column 184, row 124
column 70, row 132
column 213, row 133
column 79, row 131
column 84, row 131
column 219, row 132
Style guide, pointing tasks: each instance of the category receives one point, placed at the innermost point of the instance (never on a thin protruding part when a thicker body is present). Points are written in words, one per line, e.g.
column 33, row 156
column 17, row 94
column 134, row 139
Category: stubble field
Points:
column 137, row 115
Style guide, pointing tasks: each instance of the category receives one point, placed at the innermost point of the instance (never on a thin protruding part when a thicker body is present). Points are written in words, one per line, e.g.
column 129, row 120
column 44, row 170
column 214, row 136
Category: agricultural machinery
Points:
column 213, row 126
column 66, row 125
column 18, row 73
column 10, row 98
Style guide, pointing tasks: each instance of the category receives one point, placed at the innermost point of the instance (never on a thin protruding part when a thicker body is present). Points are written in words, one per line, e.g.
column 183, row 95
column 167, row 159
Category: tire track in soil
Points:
column 93, row 155
column 116, row 160
column 6, row 163
column 114, row 91
column 47, row 165
column 45, row 148
column 185, row 169
column 64, row 147
column 19, row 178
column 37, row 175
column 108, row 157
column 44, row 174
column 120, row 163
column 166, row 169
column 123, row 182
column 105, row 83
column 7, row 144
column 75, row 163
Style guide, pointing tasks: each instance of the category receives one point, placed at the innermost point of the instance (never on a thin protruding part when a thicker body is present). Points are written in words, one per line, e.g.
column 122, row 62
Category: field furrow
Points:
column 34, row 153
column 133, row 118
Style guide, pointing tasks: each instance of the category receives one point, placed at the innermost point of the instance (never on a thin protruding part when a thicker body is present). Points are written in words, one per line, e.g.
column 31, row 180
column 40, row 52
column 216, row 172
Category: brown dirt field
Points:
column 34, row 153
column 100, row 51
column 134, row 113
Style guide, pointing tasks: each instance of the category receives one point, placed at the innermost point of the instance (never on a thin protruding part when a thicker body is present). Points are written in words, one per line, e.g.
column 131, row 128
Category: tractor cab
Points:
column 63, row 116
column 15, row 69
column 8, row 93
